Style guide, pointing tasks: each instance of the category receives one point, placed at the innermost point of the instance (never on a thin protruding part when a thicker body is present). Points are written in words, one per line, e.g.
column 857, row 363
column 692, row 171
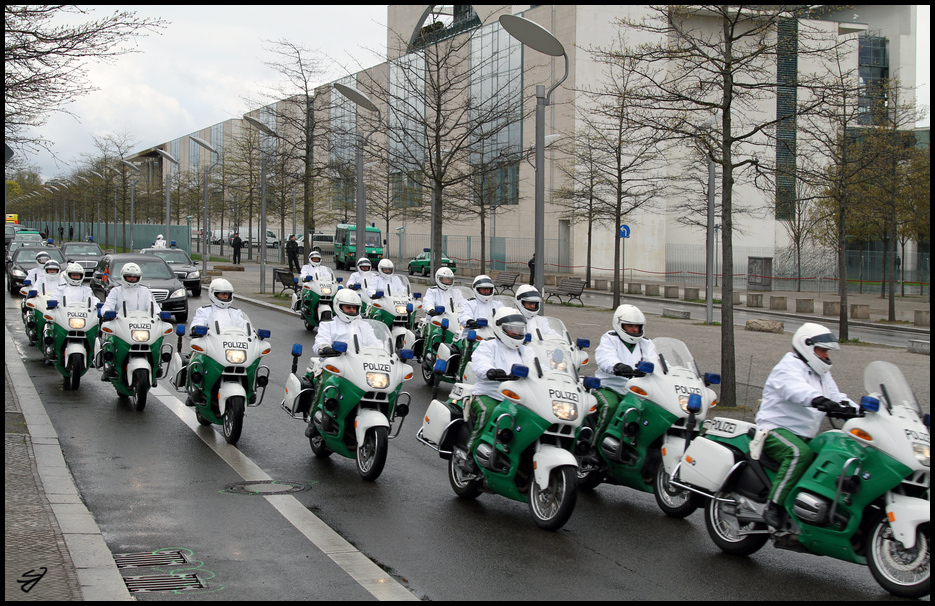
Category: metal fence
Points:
column 502, row 253
column 105, row 234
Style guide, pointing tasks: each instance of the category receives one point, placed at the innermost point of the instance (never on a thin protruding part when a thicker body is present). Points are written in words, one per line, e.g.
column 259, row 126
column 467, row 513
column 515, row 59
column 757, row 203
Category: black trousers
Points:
column 295, row 259
column 236, row 256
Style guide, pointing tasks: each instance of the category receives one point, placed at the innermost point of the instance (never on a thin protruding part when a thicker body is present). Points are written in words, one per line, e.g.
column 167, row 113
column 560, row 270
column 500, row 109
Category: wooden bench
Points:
column 286, row 279
column 505, row 281
column 568, row 287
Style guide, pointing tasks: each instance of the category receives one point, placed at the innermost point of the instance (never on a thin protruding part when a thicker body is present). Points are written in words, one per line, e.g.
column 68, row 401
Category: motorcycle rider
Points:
column 160, row 242
column 38, row 271
column 386, row 280
column 128, row 296
column 362, row 274
column 798, row 394
column 529, row 302
column 344, row 325
column 441, row 293
column 491, row 363
column 621, row 349
column 72, row 288
column 49, row 279
column 481, row 306
column 315, row 268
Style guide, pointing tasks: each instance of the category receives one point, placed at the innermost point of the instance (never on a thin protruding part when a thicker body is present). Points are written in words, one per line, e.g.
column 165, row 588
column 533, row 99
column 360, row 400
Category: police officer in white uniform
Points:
column 315, row 269
column 481, row 306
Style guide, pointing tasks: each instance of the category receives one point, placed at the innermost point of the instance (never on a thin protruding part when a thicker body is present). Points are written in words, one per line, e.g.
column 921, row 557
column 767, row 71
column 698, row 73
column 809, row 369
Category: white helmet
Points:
column 131, row 275
column 221, row 293
column 159, row 237
column 509, row 326
column 364, row 261
column 629, row 314
column 444, row 278
column 384, row 265
column 42, row 257
column 527, row 294
column 74, row 274
column 51, row 267
column 344, row 297
column 807, row 338
column 314, row 258
column 483, row 282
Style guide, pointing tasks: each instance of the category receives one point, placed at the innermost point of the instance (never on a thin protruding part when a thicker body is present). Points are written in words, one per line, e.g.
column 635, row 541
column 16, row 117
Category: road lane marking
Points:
column 360, row 568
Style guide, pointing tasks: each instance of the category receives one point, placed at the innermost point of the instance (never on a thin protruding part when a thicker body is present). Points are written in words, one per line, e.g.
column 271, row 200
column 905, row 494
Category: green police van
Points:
column 345, row 245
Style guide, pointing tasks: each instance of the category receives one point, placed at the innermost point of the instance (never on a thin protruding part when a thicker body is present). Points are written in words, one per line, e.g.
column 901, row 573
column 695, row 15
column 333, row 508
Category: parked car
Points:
column 182, row 266
column 86, row 254
column 168, row 291
column 423, row 263
column 22, row 260
column 324, row 242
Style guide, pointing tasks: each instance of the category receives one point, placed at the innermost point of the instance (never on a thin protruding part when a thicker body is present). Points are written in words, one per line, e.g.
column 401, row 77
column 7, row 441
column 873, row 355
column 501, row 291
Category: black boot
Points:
column 774, row 516
column 109, row 373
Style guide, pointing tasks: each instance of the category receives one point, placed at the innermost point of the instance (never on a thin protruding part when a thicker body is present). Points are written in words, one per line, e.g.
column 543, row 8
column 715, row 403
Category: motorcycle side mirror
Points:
column 482, row 323
column 199, row 331
column 378, row 294
column 409, row 307
column 32, row 293
column 180, row 330
column 472, row 335
column 406, row 354
column 583, row 343
column 307, row 279
column 263, row 333
column 647, row 367
column 297, row 349
column 339, row 346
column 519, row 370
column 712, row 378
column 869, row 404
column 295, row 280
column 527, row 338
column 439, row 309
column 694, row 403
column 99, row 305
column 354, row 286
column 110, row 314
column 165, row 316
column 927, row 419
column 340, row 280
column 417, row 295
column 27, row 282
column 52, row 304
column 592, row 383
column 445, row 323
column 440, row 365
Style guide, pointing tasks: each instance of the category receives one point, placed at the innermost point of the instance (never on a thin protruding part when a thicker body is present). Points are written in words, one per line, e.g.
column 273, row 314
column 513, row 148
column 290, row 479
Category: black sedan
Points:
column 181, row 265
column 168, row 291
column 23, row 259
column 86, row 254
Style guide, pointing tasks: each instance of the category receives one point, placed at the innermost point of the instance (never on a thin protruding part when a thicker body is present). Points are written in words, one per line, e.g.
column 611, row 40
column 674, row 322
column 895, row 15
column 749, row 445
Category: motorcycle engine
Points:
column 811, row 508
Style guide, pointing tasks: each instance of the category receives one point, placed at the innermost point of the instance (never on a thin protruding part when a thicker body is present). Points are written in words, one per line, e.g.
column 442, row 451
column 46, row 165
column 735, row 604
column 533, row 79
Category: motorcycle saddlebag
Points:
column 437, row 419
column 706, row 464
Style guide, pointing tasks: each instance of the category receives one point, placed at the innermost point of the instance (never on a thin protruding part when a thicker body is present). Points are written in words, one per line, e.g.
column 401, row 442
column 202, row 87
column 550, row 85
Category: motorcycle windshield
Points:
column 885, row 379
column 553, row 356
column 676, row 354
column 548, row 328
column 372, row 334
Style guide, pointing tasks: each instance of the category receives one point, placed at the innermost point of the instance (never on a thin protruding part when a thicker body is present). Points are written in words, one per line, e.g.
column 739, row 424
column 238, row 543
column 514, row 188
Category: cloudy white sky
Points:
column 201, row 68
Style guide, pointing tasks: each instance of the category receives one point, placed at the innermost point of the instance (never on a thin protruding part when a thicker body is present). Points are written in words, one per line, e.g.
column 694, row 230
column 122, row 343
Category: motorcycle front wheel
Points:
column 552, row 507
column 902, row 572
column 74, row 367
column 674, row 502
column 371, row 454
column 725, row 529
column 232, row 422
column 140, row 387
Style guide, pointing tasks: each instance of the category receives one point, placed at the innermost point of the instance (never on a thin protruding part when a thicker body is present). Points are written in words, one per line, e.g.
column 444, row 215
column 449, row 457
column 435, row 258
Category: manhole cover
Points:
column 267, row 487
column 148, row 559
column 163, row 582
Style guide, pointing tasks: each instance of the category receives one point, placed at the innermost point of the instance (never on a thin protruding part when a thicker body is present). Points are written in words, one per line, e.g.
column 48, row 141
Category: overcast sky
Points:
column 198, row 71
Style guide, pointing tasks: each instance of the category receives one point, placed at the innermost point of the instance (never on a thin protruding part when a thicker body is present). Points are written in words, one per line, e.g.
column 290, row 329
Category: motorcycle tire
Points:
column 74, row 368
column 318, row 444
column 464, row 488
column 371, row 454
column 551, row 508
column 723, row 528
column 905, row 573
column 674, row 502
column 232, row 422
column 140, row 387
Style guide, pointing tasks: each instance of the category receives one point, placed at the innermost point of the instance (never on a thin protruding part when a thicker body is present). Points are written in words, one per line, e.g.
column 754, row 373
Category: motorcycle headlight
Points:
column 378, row 380
column 194, row 274
column 566, row 411
column 179, row 293
column 139, row 335
column 236, row 356
column 401, row 309
column 921, row 451
column 77, row 323
column 326, row 290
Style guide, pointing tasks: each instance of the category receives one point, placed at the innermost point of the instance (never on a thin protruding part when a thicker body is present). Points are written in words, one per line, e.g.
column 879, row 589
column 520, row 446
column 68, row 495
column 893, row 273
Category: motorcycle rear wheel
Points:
column 371, row 454
column 232, row 421
column 724, row 528
column 905, row 573
column 74, row 368
column 552, row 507
column 140, row 387
column 674, row 502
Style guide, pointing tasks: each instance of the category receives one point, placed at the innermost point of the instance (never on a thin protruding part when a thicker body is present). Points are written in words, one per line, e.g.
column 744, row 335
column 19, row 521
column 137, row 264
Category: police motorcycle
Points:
column 525, row 451
column 314, row 304
column 864, row 499
column 33, row 312
column 70, row 332
column 397, row 310
column 353, row 397
column 133, row 343
column 440, row 327
column 651, row 428
column 223, row 375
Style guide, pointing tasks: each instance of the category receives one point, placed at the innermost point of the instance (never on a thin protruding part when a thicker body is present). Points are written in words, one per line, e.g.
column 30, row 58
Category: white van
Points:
column 272, row 240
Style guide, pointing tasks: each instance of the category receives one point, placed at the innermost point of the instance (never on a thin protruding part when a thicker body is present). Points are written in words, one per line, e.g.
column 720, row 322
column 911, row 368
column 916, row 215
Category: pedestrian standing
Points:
column 292, row 250
column 236, row 245
column 532, row 269
column 71, row 232
column 61, row 233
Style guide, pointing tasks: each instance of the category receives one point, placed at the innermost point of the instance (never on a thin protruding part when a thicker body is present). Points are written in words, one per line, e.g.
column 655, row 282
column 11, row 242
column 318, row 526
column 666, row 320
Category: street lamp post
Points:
column 266, row 130
column 167, row 158
column 132, row 196
column 538, row 38
column 204, row 225
column 361, row 100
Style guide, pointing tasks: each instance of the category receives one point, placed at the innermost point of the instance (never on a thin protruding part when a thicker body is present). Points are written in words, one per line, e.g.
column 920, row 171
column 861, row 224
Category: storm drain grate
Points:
column 147, row 559
column 163, row 582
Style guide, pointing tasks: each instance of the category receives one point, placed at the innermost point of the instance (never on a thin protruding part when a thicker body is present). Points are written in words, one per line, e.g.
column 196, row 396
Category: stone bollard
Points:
column 860, row 312
column 736, row 298
column 676, row 313
column 754, row 300
column 652, row 290
column 635, row 288
column 672, row 292
column 919, row 346
column 692, row 293
column 831, row 308
column 805, row 306
column 600, row 284
column 922, row 317
column 764, row 326
column 777, row 303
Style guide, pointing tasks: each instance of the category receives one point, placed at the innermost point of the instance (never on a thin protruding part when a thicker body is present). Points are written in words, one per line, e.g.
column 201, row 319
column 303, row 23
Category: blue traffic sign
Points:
column 624, row 231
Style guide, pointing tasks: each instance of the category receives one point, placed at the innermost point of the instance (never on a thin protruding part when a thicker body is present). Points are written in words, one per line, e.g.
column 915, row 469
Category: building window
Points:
column 342, row 155
column 873, row 71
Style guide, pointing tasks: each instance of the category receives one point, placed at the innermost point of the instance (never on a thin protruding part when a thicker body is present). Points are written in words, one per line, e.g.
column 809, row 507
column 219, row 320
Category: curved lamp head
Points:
column 356, row 96
column 260, row 126
column 167, row 156
column 532, row 34
column 204, row 144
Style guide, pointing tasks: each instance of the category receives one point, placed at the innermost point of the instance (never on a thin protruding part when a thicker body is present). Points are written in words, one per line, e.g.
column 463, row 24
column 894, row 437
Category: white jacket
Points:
column 788, row 395
column 360, row 277
column 69, row 294
column 339, row 330
column 207, row 315
column 494, row 354
column 613, row 351
column 137, row 298
column 318, row 273
column 390, row 284
column 436, row 296
column 475, row 310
